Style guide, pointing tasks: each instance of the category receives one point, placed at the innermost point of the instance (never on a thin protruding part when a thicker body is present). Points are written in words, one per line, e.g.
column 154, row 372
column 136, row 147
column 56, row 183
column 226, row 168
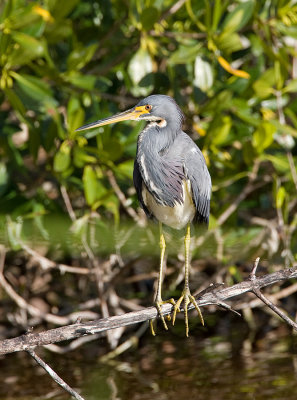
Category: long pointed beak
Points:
column 131, row 114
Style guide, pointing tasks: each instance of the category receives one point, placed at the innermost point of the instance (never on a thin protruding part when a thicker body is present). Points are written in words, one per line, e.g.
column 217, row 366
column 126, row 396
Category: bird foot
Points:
column 187, row 298
column 158, row 305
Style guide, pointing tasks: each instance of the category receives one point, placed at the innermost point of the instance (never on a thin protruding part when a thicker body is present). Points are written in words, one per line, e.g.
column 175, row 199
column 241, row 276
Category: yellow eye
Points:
column 148, row 107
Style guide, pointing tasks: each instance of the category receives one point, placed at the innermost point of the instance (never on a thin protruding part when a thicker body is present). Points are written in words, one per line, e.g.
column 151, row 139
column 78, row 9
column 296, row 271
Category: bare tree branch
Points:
column 54, row 375
column 257, row 292
column 212, row 296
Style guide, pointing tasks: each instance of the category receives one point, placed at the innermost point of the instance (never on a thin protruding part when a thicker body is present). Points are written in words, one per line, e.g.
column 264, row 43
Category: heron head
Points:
column 162, row 109
column 159, row 108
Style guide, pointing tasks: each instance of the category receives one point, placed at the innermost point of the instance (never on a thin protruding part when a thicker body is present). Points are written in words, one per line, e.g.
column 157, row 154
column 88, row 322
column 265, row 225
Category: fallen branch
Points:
column 212, row 296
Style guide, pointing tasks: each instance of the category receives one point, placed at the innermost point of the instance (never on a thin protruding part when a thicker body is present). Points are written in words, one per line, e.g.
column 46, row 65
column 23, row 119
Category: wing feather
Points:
column 196, row 171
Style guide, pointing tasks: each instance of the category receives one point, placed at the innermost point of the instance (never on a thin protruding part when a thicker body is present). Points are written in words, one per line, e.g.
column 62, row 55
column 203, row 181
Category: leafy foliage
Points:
column 232, row 66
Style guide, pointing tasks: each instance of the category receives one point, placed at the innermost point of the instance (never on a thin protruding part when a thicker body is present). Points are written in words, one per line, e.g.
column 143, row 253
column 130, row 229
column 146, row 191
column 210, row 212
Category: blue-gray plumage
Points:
column 171, row 179
column 166, row 158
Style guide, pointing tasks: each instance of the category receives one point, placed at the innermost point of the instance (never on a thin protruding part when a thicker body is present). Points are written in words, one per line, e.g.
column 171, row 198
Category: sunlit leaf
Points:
column 185, row 53
column 220, row 130
column 141, row 65
column 93, row 189
column 280, row 197
column 229, row 42
column 264, row 85
column 126, row 168
column 239, row 16
column 45, row 14
column 203, row 77
column 62, row 158
column 263, row 136
column 3, row 178
column 291, row 87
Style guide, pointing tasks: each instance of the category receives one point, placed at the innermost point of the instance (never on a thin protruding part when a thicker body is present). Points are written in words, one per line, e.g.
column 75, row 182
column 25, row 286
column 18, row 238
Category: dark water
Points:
column 168, row 366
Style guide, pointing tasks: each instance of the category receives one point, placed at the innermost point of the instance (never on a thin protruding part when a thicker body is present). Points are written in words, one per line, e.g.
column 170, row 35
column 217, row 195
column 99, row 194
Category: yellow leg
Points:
column 158, row 298
column 186, row 294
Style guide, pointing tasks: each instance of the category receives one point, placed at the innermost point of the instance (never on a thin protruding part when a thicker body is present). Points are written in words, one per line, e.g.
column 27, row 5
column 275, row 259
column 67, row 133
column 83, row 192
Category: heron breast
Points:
column 177, row 216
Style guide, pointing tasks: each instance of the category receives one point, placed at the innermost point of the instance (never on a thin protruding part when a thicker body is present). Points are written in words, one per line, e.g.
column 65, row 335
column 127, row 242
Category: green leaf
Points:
column 125, row 169
column 80, row 56
column 249, row 153
column 264, row 86
column 280, row 197
column 291, row 87
column 62, row 159
column 86, row 82
column 284, row 128
column 15, row 101
column 239, row 17
column 36, row 47
column 4, row 177
column 280, row 162
column 35, row 88
column 263, row 136
column 61, row 9
column 93, row 189
column 113, row 148
column 21, row 17
column 26, row 49
column 185, row 53
column 75, row 114
column 220, row 130
column 81, row 157
column 229, row 42
column 149, row 17
column 14, row 231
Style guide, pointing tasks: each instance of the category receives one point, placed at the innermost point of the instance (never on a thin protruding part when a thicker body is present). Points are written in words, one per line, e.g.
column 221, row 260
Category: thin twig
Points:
column 54, row 375
column 46, row 263
column 261, row 296
column 68, row 203
column 172, row 10
column 121, row 196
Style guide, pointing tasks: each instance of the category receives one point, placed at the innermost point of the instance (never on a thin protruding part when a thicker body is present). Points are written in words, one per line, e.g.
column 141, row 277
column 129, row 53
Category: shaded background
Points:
column 76, row 242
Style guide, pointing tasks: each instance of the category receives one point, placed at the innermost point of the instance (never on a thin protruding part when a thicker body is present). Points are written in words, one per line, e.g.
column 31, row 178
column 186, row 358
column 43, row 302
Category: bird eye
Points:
column 148, row 107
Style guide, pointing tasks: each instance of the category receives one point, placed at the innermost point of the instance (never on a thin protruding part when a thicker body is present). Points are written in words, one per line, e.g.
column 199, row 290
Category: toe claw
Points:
column 158, row 305
column 186, row 298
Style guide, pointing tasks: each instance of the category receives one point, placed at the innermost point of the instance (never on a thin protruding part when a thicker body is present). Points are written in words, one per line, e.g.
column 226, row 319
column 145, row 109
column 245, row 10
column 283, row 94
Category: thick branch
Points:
column 215, row 296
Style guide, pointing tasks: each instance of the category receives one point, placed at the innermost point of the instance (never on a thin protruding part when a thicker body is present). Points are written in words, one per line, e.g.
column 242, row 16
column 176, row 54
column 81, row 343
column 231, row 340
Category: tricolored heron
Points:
column 171, row 178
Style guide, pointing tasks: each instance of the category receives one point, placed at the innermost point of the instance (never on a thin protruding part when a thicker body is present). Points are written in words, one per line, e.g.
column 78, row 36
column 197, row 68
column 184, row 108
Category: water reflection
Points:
column 175, row 368
column 166, row 367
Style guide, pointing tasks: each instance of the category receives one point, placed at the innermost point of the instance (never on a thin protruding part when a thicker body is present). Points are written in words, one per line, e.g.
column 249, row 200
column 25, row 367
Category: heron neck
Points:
column 154, row 140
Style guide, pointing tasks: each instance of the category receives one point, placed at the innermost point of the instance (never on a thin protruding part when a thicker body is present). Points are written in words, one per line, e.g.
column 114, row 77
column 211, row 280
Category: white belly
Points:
column 176, row 217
